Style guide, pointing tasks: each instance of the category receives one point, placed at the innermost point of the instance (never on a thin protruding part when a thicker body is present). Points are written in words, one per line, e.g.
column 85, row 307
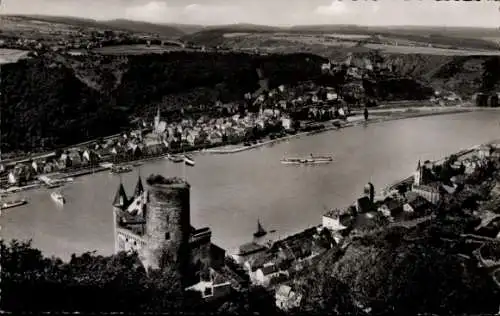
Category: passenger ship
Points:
column 309, row 160
column 121, row 169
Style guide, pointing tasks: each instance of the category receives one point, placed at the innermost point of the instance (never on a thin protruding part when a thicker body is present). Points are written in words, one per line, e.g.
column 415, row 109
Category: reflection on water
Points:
column 230, row 192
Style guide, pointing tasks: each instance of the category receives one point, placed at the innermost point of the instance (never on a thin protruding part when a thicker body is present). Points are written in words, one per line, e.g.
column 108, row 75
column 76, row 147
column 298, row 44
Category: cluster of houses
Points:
column 416, row 202
column 274, row 264
column 28, row 170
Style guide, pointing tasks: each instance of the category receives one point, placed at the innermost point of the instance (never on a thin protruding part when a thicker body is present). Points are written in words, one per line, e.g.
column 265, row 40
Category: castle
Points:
column 156, row 221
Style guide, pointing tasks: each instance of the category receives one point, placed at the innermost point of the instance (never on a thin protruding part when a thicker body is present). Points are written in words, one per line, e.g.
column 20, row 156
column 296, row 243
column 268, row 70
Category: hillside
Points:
column 54, row 101
column 457, row 38
column 44, row 97
column 412, row 271
column 144, row 27
column 63, row 25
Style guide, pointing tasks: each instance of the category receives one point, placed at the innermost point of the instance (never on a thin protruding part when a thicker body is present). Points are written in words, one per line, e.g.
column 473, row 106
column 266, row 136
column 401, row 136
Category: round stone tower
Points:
column 168, row 224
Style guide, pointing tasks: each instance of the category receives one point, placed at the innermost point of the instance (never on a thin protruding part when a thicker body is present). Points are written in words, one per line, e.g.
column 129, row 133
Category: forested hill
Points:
column 52, row 101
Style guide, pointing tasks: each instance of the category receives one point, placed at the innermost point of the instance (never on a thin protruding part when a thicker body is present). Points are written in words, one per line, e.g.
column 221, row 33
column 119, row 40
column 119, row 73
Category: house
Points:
column 336, row 220
column 391, row 208
column 286, row 298
column 246, row 251
column 264, row 275
column 485, row 151
column 417, row 206
column 286, row 123
column 367, row 221
column 211, row 289
column 431, row 192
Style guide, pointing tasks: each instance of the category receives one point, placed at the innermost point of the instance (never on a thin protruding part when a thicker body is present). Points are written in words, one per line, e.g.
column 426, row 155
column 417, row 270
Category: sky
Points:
column 485, row 13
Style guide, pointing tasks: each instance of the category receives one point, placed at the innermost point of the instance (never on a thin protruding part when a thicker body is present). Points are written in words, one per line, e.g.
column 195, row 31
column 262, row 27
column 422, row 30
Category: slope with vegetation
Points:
column 402, row 271
column 118, row 283
column 53, row 101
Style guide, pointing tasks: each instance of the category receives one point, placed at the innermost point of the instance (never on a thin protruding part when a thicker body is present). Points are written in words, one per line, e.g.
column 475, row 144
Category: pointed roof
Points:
column 419, row 166
column 139, row 188
column 158, row 112
column 120, row 199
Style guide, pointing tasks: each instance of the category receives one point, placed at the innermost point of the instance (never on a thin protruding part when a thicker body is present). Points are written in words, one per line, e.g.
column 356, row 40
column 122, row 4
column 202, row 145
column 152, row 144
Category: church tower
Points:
column 370, row 191
column 418, row 175
column 157, row 120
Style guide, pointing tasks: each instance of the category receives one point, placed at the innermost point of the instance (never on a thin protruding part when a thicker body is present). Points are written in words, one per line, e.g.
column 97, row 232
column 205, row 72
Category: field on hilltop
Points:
column 297, row 39
column 55, row 25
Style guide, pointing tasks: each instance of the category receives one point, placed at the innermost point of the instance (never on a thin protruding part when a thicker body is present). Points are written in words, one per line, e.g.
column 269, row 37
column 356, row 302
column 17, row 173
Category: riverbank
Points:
column 383, row 115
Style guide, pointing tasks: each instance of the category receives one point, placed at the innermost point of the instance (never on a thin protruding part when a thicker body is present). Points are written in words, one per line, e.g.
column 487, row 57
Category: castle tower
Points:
column 417, row 175
column 168, row 226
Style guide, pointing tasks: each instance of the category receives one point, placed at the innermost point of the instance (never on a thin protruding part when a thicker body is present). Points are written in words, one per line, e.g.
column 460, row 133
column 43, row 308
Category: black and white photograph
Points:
column 263, row 157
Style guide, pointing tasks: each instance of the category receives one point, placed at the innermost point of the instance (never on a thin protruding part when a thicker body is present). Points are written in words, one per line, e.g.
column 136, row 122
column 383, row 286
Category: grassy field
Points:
column 431, row 50
column 11, row 55
column 136, row 49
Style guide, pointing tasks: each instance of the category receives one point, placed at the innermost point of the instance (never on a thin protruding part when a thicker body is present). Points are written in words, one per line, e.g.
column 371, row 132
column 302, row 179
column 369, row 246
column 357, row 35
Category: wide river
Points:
column 230, row 192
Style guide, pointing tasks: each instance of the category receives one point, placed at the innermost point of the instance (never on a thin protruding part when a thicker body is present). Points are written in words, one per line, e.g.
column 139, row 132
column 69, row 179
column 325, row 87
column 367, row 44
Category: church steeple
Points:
column 120, row 199
column 418, row 175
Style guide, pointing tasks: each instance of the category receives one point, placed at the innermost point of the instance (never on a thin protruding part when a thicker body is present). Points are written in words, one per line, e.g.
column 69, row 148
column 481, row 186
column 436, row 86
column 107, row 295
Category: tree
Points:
column 415, row 273
column 31, row 282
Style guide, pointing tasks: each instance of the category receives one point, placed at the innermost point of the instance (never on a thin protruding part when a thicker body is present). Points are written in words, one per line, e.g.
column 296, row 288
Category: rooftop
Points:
column 156, row 179
column 250, row 248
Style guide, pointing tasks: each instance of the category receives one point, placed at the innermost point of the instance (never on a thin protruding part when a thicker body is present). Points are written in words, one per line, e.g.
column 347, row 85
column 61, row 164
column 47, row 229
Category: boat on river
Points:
column 312, row 160
column 58, row 197
column 188, row 160
column 121, row 169
column 12, row 204
column 260, row 231
column 175, row 158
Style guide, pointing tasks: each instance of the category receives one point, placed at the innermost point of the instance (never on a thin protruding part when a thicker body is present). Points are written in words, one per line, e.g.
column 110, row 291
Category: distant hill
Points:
column 163, row 30
column 145, row 27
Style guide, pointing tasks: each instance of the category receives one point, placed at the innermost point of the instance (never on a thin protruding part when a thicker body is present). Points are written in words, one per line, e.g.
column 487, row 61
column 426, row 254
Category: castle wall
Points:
column 168, row 223
column 128, row 241
column 200, row 253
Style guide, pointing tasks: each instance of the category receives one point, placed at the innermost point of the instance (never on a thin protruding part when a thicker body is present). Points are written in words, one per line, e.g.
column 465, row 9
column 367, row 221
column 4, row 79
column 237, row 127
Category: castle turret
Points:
column 168, row 226
column 139, row 188
column 120, row 201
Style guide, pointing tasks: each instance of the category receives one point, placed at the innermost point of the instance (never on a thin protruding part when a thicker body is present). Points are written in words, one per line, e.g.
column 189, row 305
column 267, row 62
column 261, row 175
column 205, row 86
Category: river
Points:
column 230, row 192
